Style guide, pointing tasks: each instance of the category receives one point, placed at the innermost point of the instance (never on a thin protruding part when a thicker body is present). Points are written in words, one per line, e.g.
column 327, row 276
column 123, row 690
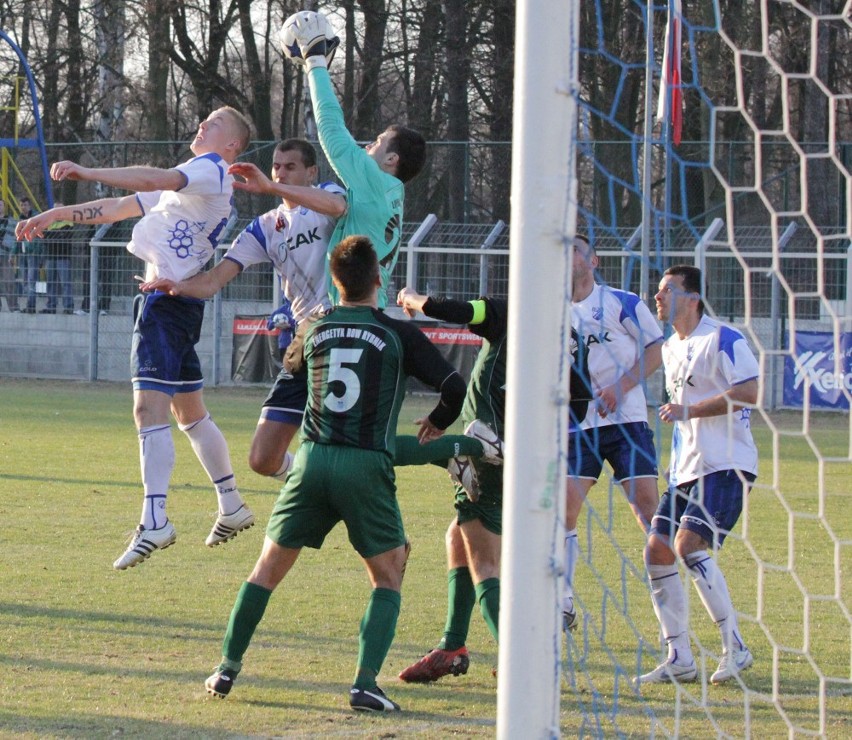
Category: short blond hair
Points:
column 241, row 124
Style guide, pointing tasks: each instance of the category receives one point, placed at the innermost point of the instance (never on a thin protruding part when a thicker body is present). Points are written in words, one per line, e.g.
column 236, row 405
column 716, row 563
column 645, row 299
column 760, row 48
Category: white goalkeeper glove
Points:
column 313, row 34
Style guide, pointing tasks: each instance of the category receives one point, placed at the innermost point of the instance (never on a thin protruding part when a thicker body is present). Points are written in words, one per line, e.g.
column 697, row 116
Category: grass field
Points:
column 89, row 652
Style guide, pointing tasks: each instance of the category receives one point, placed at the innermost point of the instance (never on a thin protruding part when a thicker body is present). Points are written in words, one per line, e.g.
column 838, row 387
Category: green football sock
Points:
column 461, row 598
column 247, row 612
column 488, row 595
column 377, row 630
column 409, row 451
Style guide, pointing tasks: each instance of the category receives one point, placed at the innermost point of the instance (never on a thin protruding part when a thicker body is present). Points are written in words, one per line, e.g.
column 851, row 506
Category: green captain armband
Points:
column 478, row 312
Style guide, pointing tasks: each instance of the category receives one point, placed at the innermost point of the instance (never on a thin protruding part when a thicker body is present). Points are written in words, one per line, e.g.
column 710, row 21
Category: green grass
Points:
column 89, row 652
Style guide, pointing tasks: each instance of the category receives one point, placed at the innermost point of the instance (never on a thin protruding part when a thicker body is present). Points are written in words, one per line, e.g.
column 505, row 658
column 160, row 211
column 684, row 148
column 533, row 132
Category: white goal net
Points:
column 733, row 154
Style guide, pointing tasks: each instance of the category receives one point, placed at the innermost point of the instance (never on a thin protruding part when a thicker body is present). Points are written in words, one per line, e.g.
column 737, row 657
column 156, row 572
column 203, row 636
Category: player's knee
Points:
column 262, row 464
column 658, row 551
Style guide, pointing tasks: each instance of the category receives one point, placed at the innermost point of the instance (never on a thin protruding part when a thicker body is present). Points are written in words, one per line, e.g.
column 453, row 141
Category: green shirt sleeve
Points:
column 374, row 198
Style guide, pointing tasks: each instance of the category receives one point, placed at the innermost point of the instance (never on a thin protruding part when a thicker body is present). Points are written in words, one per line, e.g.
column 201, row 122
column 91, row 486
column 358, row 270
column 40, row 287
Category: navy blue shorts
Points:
column 287, row 400
column 709, row 506
column 628, row 448
column 165, row 332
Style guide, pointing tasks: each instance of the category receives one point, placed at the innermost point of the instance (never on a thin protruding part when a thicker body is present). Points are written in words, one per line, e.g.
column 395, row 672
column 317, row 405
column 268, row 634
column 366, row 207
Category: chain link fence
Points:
column 90, row 338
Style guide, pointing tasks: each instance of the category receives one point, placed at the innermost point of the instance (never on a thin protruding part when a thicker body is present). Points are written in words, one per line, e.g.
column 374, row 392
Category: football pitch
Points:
column 90, row 652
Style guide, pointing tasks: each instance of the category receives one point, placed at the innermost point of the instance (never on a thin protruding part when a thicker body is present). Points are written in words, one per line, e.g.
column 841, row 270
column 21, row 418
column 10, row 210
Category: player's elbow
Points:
column 337, row 208
column 746, row 393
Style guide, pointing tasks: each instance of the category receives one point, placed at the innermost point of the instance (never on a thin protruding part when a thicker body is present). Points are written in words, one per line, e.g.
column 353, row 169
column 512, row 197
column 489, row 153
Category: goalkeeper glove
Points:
column 311, row 34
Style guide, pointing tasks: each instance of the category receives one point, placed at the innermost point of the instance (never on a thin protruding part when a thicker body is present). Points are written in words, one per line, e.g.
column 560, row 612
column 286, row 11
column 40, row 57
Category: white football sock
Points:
column 157, row 459
column 572, row 553
column 669, row 600
column 210, row 447
column 285, row 467
column 713, row 590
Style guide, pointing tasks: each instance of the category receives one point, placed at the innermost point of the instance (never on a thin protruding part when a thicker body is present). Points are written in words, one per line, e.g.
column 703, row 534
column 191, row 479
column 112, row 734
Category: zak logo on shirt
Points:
column 300, row 240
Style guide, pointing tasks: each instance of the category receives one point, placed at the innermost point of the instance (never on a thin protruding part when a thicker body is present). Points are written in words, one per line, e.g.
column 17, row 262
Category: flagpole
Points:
column 667, row 91
column 647, row 154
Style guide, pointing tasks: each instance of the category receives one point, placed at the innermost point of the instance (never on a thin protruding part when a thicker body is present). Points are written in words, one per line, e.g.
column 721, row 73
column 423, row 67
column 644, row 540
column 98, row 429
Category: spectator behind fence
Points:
column 29, row 256
column 57, row 252
column 7, row 260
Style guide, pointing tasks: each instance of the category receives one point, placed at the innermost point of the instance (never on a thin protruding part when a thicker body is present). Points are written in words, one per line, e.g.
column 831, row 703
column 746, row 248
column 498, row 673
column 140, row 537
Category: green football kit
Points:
column 374, row 198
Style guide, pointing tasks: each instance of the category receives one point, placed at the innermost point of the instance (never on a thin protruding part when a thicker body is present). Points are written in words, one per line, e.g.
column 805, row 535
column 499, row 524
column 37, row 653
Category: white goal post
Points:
column 543, row 213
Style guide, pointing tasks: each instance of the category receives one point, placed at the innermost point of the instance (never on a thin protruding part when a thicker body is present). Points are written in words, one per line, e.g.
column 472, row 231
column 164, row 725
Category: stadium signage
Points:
column 820, row 366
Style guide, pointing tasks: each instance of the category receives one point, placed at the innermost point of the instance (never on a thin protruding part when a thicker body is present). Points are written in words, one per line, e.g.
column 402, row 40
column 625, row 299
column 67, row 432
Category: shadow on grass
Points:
column 52, row 480
column 267, row 638
column 103, row 726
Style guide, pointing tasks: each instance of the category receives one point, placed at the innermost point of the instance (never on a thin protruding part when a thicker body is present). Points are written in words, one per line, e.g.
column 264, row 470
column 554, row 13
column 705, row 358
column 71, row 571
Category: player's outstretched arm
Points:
column 104, row 211
column 203, row 285
column 316, row 199
column 411, row 301
column 254, row 181
column 138, row 179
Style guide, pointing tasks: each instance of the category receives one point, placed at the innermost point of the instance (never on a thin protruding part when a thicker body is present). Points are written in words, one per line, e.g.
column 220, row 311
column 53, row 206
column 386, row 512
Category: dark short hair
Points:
column 590, row 248
column 354, row 267
column 411, row 148
column 691, row 277
column 305, row 148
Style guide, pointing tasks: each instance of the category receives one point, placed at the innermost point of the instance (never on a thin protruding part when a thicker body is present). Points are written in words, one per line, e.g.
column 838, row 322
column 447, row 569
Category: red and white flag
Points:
column 671, row 72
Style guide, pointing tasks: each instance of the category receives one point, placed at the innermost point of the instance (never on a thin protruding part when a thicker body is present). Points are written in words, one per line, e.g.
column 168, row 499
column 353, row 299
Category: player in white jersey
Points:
column 622, row 342
column 294, row 239
column 711, row 380
column 183, row 211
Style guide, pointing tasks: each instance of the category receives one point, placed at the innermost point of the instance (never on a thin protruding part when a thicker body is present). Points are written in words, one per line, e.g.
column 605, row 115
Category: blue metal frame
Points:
column 30, row 143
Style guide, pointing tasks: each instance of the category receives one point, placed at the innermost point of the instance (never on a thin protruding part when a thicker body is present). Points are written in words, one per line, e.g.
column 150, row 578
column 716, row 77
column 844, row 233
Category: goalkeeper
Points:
column 373, row 176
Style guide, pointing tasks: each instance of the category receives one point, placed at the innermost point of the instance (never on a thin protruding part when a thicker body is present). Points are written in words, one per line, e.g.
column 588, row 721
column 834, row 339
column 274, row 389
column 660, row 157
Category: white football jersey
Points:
column 295, row 241
column 179, row 229
column 708, row 362
column 616, row 327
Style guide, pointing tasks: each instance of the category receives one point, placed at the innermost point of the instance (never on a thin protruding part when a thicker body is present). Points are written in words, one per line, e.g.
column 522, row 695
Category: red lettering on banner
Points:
column 253, row 326
column 444, row 335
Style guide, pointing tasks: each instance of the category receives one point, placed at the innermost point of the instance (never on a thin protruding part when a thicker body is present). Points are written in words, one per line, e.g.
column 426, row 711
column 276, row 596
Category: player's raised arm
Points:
column 138, row 179
column 316, row 199
column 254, row 180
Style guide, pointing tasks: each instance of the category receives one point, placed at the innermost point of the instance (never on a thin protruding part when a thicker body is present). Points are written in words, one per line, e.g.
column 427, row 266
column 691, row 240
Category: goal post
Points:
column 543, row 215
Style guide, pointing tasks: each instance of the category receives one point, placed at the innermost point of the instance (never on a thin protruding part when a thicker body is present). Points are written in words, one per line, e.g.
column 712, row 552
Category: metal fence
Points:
column 90, row 338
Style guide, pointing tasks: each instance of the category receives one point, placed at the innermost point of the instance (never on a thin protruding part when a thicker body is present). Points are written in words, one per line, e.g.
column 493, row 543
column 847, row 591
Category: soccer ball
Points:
column 305, row 23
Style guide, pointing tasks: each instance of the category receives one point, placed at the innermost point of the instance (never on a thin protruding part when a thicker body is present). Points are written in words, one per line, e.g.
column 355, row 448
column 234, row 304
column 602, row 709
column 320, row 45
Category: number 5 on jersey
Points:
column 351, row 382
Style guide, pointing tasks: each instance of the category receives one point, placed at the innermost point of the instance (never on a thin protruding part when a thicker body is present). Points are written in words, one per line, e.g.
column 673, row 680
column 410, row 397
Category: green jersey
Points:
column 358, row 360
column 486, row 391
column 374, row 198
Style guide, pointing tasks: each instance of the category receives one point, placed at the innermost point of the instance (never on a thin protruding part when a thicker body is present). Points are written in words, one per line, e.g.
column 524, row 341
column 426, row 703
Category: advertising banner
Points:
column 821, row 367
column 256, row 358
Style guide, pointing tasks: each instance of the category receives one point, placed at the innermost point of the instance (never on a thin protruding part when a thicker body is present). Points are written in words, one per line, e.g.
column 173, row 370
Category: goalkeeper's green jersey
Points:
column 358, row 359
column 374, row 198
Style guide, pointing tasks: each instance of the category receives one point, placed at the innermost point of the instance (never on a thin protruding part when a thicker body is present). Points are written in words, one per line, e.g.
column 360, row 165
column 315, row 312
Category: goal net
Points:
column 716, row 134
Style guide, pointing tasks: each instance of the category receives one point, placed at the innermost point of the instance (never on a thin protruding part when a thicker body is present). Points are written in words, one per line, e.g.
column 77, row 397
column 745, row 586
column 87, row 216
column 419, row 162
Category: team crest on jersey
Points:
column 181, row 237
column 280, row 223
column 597, row 313
column 690, row 353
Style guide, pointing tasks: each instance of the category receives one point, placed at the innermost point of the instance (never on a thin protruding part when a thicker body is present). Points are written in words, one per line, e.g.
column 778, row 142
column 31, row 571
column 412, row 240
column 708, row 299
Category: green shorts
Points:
column 489, row 508
column 332, row 483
